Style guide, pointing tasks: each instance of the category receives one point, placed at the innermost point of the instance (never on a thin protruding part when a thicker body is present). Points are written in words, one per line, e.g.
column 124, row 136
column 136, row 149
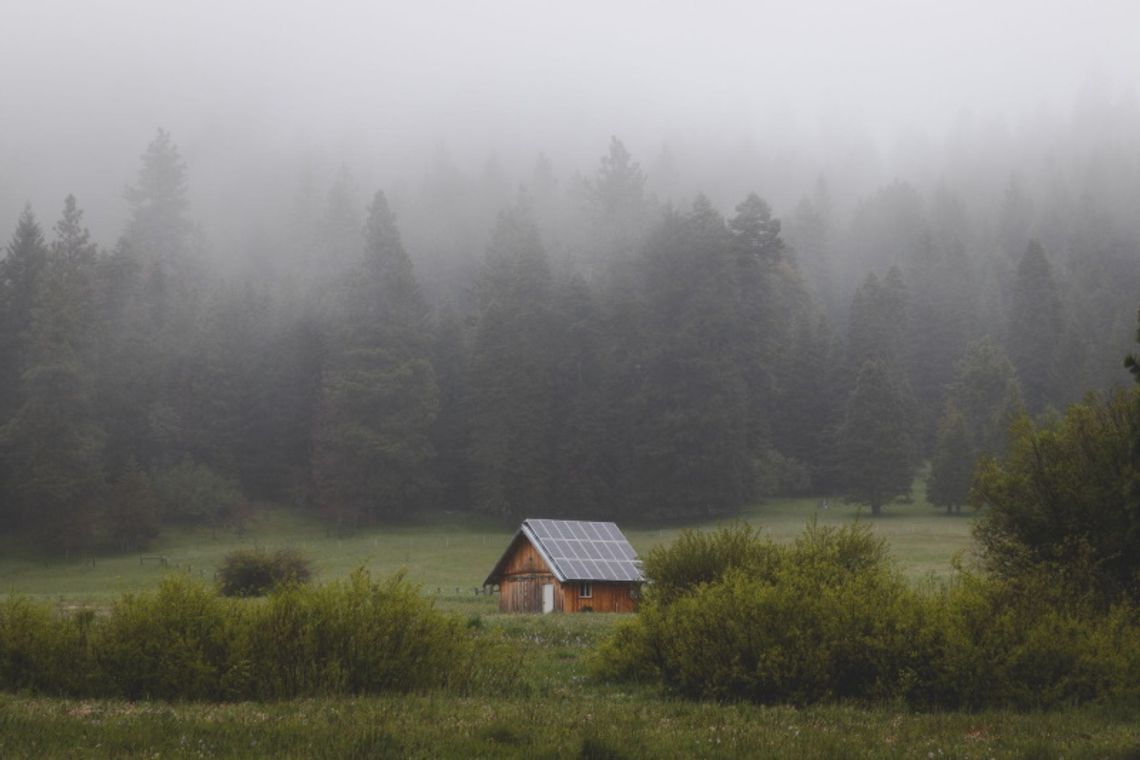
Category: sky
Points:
column 241, row 84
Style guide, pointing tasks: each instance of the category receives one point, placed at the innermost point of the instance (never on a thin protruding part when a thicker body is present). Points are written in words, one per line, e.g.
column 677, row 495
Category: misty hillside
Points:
column 645, row 281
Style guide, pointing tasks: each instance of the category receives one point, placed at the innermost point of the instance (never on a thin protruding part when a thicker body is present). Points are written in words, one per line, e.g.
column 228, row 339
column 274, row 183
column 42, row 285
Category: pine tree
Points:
column 451, row 436
column 806, row 410
column 512, row 377
column 159, row 228
column 52, row 444
column 20, row 273
column 584, row 477
column 340, row 226
column 379, row 398
column 875, row 442
column 768, row 299
column 1037, row 324
column 690, row 447
column 952, row 467
column 879, row 324
column 617, row 209
column 986, row 393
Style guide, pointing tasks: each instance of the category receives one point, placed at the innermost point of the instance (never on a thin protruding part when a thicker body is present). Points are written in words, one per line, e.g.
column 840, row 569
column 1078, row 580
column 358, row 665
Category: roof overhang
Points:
column 523, row 532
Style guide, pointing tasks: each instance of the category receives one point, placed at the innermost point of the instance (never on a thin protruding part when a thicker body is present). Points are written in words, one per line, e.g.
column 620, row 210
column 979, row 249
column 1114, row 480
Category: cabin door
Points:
column 547, row 598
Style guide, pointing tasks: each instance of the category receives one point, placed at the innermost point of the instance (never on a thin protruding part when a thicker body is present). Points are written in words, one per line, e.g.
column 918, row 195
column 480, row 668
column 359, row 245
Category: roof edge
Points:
column 536, row 542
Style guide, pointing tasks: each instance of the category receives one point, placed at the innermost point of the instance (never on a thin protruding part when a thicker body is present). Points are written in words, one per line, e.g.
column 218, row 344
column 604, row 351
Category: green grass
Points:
column 557, row 711
column 447, row 554
column 612, row 724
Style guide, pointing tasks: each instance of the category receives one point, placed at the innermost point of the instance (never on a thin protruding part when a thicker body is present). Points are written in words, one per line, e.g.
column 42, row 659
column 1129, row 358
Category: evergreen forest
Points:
column 606, row 343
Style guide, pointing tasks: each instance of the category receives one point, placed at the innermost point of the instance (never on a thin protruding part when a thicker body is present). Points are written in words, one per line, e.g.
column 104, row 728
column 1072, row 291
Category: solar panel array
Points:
column 587, row 551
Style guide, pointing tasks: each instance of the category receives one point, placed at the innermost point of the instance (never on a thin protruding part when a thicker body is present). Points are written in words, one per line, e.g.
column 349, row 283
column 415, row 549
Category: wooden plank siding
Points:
column 606, row 597
column 525, row 573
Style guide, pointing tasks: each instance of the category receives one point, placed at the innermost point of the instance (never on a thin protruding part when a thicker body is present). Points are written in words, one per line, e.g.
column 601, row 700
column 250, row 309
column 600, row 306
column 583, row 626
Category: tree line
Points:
column 606, row 355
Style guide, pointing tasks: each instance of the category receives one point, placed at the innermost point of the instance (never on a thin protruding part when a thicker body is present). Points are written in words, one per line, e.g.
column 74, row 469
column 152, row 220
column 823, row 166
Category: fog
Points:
column 642, row 261
column 258, row 93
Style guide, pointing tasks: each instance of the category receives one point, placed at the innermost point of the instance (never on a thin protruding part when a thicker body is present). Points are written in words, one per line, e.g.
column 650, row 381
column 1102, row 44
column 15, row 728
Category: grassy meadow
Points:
column 448, row 554
column 558, row 711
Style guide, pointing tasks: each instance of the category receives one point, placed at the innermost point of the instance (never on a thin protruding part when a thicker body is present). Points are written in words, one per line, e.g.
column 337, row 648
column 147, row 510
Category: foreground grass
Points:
column 605, row 725
column 557, row 712
column 448, row 554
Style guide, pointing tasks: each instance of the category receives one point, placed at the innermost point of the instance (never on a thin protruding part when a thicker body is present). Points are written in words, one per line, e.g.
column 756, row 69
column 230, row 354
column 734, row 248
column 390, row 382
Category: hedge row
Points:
column 185, row 642
column 733, row 616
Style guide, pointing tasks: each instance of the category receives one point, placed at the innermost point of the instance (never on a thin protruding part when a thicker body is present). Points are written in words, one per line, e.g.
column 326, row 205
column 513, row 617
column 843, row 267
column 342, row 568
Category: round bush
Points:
column 249, row 572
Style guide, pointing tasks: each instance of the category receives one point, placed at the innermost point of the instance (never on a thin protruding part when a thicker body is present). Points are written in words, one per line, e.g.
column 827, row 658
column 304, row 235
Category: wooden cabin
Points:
column 567, row 566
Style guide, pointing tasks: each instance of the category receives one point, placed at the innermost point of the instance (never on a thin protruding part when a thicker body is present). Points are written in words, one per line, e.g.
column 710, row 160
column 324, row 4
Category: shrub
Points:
column 40, row 652
column 356, row 637
column 1030, row 643
column 186, row 642
column 828, row 618
column 697, row 558
column 1067, row 497
column 248, row 572
column 173, row 644
column 731, row 616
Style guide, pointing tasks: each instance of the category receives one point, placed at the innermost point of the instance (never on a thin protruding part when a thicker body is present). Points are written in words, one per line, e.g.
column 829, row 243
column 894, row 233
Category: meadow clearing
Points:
column 558, row 710
column 447, row 554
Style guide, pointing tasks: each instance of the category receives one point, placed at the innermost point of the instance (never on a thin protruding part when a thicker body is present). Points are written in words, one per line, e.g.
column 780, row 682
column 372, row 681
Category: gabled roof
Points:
column 577, row 551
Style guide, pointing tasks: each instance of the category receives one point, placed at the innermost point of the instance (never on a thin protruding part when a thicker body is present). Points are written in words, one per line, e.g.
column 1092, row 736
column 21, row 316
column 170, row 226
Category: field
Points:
column 558, row 712
column 448, row 554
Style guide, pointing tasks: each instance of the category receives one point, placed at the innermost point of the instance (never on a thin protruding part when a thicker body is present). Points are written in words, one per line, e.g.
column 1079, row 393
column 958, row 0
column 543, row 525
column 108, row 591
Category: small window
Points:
column 585, row 590
column 634, row 592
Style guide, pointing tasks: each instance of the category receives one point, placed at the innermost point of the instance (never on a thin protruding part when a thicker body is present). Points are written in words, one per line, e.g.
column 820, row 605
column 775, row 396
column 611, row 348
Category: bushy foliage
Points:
column 190, row 492
column 176, row 643
column 250, row 572
column 1065, row 498
column 185, row 642
column 1027, row 643
column 40, row 653
column 360, row 637
column 828, row 618
column 698, row 557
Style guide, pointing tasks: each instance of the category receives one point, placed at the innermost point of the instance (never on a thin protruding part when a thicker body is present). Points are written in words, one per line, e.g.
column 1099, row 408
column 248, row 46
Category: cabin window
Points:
column 634, row 592
column 585, row 590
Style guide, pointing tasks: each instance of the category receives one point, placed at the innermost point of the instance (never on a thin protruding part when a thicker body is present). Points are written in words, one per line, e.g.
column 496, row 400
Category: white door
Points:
column 547, row 598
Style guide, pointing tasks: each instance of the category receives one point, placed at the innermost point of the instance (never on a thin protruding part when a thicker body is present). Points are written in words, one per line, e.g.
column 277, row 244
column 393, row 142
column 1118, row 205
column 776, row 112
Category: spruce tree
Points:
column 52, row 443
column 584, row 476
column 986, row 393
column 875, row 440
column 1036, row 326
column 952, row 467
column 450, row 434
column 690, row 447
column 878, row 324
column 513, row 374
column 20, row 274
column 159, row 228
column 379, row 399
column 21, row 270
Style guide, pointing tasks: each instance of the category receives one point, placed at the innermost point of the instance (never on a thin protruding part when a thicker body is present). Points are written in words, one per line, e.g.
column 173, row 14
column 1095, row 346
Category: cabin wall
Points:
column 525, row 559
column 525, row 573
column 523, row 593
column 606, row 597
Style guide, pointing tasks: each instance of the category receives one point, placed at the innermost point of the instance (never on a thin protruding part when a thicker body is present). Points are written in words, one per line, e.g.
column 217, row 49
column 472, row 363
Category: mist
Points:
column 639, row 260
column 256, row 93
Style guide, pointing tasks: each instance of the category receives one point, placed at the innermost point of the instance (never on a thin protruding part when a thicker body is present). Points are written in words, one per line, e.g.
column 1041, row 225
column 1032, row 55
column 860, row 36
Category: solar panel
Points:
column 587, row 551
